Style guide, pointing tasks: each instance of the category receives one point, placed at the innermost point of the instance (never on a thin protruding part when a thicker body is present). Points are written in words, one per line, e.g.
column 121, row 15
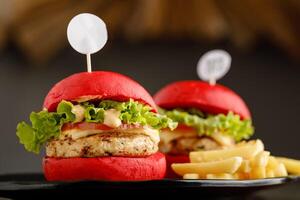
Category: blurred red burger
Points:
column 209, row 117
column 97, row 126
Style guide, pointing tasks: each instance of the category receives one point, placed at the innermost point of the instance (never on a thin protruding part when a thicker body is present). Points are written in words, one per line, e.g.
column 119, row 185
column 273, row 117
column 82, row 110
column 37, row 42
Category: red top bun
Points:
column 98, row 85
column 198, row 94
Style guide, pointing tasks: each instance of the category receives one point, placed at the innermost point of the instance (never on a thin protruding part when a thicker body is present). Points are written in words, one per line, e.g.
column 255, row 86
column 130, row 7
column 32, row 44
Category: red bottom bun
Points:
column 105, row 168
column 175, row 159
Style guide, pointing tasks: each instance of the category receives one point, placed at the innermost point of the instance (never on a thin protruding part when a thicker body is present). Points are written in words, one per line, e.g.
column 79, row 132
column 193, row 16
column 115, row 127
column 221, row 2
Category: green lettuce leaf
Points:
column 93, row 114
column 27, row 137
column 44, row 125
column 133, row 112
column 229, row 124
column 64, row 109
column 109, row 104
column 47, row 125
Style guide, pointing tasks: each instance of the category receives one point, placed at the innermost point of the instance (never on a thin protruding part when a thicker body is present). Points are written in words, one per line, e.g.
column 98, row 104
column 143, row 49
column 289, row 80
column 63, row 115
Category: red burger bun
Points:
column 105, row 168
column 175, row 159
column 213, row 99
column 97, row 85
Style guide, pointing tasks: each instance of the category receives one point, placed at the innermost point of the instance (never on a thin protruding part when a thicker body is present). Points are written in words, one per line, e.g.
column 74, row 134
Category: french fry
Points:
column 272, row 163
column 292, row 165
column 245, row 167
column 258, row 172
column 240, row 175
column 258, row 165
column 191, row 176
column 221, row 176
column 280, row 170
column 245, row 160
column 229, row 165
column 261, row 159
column 270, row 173
column 246, row 151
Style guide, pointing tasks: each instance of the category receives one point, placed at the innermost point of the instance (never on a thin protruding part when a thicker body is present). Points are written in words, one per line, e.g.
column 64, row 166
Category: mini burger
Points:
column 209, row 116
column 97, row 126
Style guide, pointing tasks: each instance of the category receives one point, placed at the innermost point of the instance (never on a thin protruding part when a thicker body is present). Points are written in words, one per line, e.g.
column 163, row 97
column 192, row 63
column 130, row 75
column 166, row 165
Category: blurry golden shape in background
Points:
column 38, row 27
column 246, row 160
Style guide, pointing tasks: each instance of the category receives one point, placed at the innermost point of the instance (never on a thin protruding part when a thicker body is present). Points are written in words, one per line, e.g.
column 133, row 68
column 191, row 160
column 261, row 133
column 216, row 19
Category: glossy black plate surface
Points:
column 23, row 185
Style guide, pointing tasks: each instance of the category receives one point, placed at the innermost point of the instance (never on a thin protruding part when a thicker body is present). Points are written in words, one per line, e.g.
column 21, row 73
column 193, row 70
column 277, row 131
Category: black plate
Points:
column 23, row 185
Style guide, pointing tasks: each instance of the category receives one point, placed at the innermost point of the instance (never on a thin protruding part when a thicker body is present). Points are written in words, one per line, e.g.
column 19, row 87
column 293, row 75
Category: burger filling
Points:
column 200, row 131
column 89, row 129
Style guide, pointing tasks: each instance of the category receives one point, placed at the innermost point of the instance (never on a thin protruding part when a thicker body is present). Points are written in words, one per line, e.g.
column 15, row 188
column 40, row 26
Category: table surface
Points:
column 288, row 191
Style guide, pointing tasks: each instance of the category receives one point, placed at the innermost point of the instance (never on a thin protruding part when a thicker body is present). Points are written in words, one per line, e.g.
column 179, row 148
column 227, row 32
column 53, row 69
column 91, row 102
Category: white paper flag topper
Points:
column 213, row 65
column 87, row 33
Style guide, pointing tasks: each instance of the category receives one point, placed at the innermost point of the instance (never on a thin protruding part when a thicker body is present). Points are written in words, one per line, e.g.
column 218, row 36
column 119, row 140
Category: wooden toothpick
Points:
column 88, row 60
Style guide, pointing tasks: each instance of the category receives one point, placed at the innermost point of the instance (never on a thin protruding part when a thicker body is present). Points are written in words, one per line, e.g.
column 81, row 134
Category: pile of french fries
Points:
column 246, row 160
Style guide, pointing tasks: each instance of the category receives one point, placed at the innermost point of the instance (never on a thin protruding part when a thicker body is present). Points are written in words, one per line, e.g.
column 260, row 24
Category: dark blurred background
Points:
column 155, row 42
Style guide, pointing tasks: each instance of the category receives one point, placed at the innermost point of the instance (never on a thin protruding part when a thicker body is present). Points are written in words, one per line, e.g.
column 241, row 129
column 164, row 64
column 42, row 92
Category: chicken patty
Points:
column 177, row 142
column 185, row 145
column 104, row 144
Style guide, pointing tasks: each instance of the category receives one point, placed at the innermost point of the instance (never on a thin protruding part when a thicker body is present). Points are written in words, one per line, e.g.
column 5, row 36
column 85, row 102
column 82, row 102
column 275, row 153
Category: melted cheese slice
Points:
column 77, row 133
column 222, row 139
column 168, row 136
column 111, row 119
